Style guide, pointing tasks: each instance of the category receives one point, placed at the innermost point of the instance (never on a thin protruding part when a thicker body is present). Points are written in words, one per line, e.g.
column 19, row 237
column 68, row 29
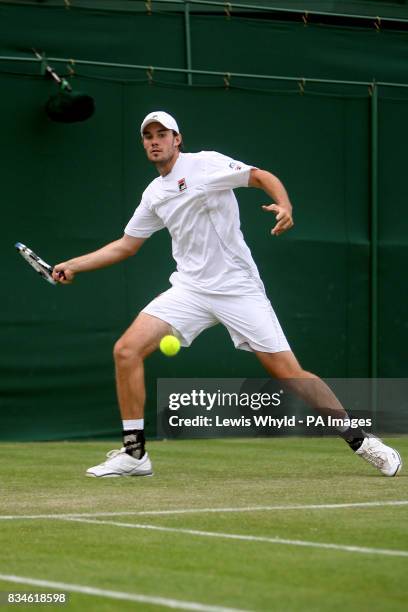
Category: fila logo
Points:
column 182, row 184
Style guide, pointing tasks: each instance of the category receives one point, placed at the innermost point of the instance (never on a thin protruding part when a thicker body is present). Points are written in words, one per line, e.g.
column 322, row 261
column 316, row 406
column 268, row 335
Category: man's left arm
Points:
column 275, row 189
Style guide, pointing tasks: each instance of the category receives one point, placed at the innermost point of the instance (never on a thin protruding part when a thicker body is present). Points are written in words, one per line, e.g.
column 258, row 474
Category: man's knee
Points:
column 126, row 353
column 291, row 370
column 282, row 365
column 288, row 370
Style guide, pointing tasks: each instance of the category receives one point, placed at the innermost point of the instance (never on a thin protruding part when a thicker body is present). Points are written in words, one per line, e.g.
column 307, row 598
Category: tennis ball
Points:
column 170, row 345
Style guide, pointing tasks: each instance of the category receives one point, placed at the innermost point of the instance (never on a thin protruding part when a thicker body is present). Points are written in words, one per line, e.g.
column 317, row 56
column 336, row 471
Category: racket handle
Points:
column 60, row 274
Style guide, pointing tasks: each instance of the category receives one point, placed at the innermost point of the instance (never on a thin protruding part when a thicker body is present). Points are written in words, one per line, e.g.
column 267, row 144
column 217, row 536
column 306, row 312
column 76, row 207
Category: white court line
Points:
column 207, row 510
column 248, row 538
column 77, row 588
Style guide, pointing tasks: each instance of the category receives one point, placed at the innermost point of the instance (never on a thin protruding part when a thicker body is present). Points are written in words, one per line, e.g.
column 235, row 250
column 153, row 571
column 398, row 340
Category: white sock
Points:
column 130, row 424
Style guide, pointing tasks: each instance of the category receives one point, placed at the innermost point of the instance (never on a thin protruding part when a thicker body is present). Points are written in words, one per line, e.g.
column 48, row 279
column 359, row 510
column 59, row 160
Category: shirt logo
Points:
column 182, row 184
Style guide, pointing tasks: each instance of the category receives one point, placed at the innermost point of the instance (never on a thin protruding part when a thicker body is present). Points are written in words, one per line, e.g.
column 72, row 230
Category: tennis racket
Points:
column 39, row 265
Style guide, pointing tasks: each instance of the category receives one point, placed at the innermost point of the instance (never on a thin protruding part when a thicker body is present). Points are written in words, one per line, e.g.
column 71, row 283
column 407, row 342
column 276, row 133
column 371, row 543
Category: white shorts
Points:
column 249, row 319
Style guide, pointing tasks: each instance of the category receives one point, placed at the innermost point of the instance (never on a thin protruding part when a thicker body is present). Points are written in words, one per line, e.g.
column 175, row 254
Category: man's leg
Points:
column 315, row 392
column 138, row 341
column 310, row 387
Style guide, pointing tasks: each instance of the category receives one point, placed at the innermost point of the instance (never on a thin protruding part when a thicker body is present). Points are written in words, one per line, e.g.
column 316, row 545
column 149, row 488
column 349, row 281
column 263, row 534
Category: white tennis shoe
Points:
column 119, row 463
column 383, row 457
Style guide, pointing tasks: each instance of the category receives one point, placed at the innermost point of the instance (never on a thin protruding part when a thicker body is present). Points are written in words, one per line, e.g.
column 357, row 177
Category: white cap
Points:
column 161, row 117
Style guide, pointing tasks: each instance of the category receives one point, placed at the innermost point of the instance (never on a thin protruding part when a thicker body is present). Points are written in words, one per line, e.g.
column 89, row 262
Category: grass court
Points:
column 284, row 524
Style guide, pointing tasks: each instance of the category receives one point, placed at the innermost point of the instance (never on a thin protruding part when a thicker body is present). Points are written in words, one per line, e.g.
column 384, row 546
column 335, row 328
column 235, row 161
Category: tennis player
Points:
column 216, row 281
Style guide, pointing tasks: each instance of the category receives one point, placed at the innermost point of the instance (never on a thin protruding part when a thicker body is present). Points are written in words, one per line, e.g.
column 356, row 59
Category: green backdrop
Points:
column 68, row 189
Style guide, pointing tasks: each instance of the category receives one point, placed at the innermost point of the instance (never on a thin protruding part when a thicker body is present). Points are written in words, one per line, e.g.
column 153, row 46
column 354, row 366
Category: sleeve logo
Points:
column 233, row 165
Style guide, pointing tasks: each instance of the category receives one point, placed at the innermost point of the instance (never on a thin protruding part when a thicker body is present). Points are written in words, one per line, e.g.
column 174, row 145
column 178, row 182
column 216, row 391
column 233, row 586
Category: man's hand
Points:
column 262, row 179
column 62, row 273
column 283, row 217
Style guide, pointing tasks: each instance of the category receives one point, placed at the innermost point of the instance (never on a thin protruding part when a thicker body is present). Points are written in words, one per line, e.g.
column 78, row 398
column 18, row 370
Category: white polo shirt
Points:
column 195, row 202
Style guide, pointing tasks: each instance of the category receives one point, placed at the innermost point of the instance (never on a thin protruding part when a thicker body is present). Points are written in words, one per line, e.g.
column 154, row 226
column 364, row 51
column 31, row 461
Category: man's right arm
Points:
column 106, row 256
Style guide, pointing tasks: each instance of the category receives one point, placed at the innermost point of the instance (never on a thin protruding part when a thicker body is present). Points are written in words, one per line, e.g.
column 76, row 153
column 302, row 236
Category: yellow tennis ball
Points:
column 170, row 345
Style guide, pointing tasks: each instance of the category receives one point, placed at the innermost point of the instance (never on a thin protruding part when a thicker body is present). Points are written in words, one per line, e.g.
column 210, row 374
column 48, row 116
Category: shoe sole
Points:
column 117, row 475
column 397, row 471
